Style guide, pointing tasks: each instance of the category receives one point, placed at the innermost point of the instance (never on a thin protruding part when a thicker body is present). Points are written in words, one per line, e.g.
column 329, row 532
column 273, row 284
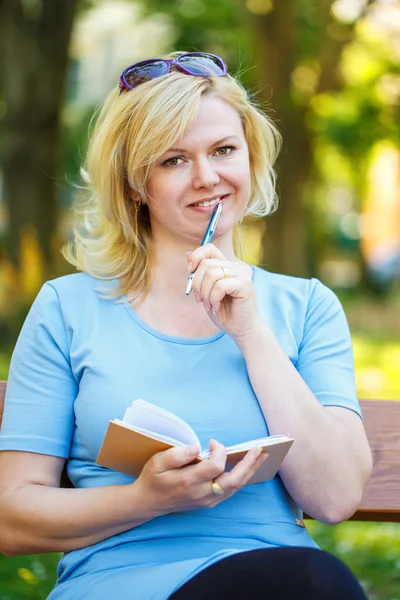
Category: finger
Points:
column 203, row 267
column 214, row 465
column 203, row 252
column 174, row 458
column 211, row 277
column 235, row 287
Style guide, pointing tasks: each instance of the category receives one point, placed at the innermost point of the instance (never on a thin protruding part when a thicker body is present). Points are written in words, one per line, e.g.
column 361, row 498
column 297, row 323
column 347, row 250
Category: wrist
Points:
column 148, row 499
column 139, row 499
column 251, row 339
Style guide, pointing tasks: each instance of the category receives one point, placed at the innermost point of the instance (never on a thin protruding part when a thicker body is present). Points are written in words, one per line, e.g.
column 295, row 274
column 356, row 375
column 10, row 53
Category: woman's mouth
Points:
column 209, row 203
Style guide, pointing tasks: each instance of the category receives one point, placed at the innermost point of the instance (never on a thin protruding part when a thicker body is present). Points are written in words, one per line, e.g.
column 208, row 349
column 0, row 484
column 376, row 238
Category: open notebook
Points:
column 147, row 429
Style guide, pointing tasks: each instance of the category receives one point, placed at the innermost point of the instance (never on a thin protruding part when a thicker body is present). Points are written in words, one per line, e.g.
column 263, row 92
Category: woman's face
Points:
column 209, row 163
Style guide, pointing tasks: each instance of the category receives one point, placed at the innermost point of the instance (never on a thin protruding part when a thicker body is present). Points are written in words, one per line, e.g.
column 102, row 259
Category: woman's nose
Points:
column 204, row 175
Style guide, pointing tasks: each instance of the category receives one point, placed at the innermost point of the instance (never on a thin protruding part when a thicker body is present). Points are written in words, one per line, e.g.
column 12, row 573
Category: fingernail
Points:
column 187, row 253
column 206, row 306
column 189, row 267
column 197, row 297
column 192, row 450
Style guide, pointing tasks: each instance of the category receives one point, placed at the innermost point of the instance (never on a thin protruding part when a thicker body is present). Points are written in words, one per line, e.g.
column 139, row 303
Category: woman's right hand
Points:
column 170, row 483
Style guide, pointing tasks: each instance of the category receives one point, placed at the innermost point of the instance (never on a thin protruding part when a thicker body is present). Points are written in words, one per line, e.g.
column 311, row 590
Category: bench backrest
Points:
column 381, row 499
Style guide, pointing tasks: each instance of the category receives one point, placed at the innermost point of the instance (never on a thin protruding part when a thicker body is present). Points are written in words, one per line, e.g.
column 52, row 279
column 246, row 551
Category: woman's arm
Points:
column 37, row 516
column 330, row 462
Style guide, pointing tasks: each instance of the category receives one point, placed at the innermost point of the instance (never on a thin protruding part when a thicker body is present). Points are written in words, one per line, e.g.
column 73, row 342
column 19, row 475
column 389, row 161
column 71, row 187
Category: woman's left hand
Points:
column 226, row 290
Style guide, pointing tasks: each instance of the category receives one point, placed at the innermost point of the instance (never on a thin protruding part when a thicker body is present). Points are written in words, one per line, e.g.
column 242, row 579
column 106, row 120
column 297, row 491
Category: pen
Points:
column 206, row 239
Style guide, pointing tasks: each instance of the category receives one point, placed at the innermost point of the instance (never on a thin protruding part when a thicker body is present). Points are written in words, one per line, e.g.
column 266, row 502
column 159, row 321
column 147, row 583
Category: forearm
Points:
column 326, row 469
column 37, row 518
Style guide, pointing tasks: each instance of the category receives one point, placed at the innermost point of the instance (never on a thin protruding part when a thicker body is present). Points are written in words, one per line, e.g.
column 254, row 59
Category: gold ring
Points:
column 217, row 489
column 226, row 272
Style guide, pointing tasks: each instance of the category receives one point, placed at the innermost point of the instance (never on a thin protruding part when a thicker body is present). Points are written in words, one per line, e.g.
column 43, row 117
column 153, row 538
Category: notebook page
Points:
column 159, row 421
column 162, row 438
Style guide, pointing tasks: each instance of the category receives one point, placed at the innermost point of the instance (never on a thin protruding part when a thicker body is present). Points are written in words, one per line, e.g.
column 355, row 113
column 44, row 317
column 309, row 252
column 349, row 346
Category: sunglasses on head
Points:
column 197, row 64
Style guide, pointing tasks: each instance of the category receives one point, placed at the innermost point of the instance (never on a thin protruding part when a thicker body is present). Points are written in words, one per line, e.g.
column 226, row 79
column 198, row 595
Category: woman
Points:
column 247, row 353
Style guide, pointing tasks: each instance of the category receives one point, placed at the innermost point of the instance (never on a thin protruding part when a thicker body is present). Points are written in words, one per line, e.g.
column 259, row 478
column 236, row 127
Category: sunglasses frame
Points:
column 124, row 85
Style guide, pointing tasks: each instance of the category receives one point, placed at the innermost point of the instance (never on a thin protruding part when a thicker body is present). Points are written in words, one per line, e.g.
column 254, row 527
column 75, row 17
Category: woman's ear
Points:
column 131, row 193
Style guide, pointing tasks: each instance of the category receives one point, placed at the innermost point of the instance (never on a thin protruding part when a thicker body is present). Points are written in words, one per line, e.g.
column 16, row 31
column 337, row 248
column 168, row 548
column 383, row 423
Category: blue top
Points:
column 81, row 360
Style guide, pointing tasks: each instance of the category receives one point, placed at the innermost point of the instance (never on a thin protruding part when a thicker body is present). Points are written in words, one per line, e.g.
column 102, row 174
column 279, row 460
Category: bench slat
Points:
column 381, row 498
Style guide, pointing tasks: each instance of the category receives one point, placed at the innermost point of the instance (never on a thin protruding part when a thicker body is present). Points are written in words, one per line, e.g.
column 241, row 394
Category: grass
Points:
column 29, row 577
column 371, row 550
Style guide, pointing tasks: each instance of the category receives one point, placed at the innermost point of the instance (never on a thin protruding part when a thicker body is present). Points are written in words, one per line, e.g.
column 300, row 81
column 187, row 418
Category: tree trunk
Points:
column 34, row 46
column 284, row 240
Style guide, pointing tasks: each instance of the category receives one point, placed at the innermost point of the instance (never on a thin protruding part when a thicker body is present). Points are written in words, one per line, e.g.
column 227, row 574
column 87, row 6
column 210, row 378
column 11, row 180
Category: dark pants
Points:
column 274, row 574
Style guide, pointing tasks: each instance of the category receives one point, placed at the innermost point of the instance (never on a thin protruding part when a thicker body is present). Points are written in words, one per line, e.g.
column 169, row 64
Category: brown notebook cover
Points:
column 127, row 451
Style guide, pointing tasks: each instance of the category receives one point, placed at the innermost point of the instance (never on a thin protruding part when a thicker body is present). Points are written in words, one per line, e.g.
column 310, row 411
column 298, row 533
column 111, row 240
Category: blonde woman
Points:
column 246, row 353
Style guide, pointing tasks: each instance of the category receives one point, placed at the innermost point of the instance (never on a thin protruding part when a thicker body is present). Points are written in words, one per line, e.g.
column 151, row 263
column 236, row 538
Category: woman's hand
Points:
column 169, row 483
column 226, row 290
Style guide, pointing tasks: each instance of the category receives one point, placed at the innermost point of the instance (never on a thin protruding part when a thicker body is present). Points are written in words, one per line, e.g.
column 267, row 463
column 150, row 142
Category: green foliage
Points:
column 366, row 109
column 4, row 365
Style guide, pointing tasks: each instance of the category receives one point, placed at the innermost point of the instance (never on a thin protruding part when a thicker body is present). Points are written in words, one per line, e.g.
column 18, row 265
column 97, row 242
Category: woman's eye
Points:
column 225, row 150
column 174, row 161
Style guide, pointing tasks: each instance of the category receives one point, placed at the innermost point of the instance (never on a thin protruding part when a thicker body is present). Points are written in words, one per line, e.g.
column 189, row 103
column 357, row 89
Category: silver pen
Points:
column 206, row 240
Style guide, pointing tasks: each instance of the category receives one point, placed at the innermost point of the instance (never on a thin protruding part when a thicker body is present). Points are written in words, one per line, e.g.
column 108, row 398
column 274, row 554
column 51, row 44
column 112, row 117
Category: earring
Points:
column 136, row 204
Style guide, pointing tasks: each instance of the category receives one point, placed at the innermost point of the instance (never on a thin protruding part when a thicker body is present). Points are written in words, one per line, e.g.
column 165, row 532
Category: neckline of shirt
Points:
column 174, row 339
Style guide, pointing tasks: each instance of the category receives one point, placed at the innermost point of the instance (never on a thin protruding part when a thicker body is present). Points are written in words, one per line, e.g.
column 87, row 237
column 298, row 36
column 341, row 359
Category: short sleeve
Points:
column 325, row 359
column 41, row 389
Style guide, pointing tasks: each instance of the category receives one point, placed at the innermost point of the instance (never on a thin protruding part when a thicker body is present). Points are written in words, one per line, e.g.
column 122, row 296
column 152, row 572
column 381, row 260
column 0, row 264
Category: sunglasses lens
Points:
column 146, row 72
column 202, row 64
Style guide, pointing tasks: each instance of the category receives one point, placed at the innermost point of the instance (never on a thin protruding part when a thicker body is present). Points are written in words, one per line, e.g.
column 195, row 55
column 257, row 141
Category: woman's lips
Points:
column 210, row 208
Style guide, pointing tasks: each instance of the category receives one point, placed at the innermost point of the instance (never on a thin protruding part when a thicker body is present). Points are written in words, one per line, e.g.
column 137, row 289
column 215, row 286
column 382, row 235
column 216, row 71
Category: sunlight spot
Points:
column 260, row 7
column 371, row 379
column 27, row 576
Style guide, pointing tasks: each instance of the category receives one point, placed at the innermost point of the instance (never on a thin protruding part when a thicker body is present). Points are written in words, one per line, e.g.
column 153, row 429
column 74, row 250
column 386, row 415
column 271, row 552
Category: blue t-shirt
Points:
column 81, row 359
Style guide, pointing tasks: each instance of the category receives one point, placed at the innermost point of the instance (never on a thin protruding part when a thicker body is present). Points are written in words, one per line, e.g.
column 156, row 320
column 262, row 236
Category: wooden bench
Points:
column 381, row 499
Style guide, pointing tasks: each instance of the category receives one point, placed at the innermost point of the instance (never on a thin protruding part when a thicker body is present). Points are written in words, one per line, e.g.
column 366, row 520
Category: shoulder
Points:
column 71, row 284
column 302, row 289
column 77, row 289
column 72, row 298
column 299, row 302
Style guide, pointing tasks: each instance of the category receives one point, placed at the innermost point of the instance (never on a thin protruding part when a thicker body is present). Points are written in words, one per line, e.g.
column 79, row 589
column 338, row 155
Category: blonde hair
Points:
column 132, row 132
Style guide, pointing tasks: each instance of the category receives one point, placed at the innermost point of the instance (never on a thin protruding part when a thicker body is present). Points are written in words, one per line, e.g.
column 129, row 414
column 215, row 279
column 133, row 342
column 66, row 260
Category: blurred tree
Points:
column 350, row 127
column 34, row 40
column 299, row 45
